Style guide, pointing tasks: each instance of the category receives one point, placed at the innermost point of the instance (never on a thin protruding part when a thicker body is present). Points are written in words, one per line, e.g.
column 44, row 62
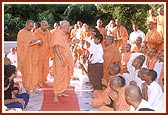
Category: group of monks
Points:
column 36, row 46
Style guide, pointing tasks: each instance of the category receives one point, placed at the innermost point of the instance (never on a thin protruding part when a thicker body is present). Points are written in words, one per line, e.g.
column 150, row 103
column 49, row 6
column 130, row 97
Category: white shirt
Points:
column 158, row 68
column 78, row 33
column 143, row 104
column 12, row 57
column 97, row 56
column 160, row 105
column 133, row 36
column 92, row 46
column 155, row 94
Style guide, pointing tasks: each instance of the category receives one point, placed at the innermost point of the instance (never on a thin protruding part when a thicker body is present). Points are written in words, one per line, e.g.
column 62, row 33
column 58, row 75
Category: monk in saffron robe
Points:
column 125, row 57
column 73, row 32
column 44, row 51
column 151, row 58
column 63, row 62
column 160, row 27
column 111, row 55
column 27, row 57
column 102, row 30
column 101, row 97
column 136, row 48
column 152, row 17
column 86, row 32
column 117, row 94
column 152, row 38
column 120, row 34
column 56, row 26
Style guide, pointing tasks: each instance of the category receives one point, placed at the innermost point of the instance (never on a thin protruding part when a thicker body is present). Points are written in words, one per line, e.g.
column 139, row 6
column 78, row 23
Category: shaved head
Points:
column 44, row 25
column 29, row 25
column 64, row 25
column 134, row 92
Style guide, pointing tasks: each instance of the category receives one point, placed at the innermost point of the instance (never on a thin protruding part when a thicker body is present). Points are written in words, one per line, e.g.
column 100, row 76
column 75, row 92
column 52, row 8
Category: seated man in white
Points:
column 133, row 96
column 159, row 63
column 152, row 91
column 13, row 56
column 133, row 68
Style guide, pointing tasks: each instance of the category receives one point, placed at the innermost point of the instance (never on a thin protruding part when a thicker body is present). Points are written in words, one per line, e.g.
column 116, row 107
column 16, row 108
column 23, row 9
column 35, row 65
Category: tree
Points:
column 83, row 12
column 15, row 15
column 128, row 13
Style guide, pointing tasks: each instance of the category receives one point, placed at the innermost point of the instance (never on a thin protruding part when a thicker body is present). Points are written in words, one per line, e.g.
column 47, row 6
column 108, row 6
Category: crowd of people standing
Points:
column 125, row 69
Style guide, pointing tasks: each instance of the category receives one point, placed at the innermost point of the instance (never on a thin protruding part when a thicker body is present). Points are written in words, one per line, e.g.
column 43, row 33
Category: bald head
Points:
column 29, row 21
column 64, row 25
column 127, row 47
column 43, row 22
column 141, row 73
column 118, row 22
column 117, row 82
column 141, row 59
column 133, row 93
column 108, row 40
column 138, row 61
column 114, row 69
column 150, row 25
column 44, row 25
column 29, row 25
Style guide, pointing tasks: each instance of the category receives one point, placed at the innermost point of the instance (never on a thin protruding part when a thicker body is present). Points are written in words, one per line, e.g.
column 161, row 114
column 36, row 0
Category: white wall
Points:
column 6, row 45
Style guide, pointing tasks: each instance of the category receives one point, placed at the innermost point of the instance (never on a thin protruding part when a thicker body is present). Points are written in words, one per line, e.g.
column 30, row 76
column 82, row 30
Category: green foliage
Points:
column 128, row 13
column 83, row 12
column 15, row 15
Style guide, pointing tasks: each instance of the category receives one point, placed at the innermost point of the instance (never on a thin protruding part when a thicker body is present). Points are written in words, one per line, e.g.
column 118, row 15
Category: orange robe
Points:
column 161, row 75
column 62, row 75
column 120, row 36
column 153, row 19
column 44, row 52
column 73, row 34
column 105, row 108
column 121, row 99
column 97, row 93
column 150, row 62
column 101, row 99
column 135, row 49
column 27, row 59
column 111, row 55
column 103, row 31
column 68, row 37
column 160, row 29
column 85, row 34
column 125, row 59
column 160, row 25
column 152, row 36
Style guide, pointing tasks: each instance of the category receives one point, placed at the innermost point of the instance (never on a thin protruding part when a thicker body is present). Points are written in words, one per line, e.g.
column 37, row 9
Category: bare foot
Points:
column 63, row 94
column 56, row 98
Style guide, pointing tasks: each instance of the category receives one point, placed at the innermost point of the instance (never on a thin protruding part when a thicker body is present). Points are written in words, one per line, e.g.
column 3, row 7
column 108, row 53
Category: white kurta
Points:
column 155, row 96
